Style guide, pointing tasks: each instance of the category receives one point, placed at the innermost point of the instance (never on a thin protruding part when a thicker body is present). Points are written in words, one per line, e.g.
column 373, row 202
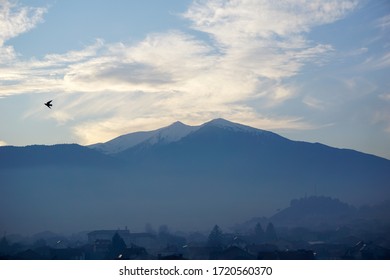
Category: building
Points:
column 99, row 235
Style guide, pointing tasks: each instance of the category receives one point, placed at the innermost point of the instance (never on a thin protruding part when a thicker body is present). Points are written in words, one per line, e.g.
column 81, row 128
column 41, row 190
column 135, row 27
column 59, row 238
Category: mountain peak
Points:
column 178, row 123
column 225, row 124
column 220, row 122
column 171, row 133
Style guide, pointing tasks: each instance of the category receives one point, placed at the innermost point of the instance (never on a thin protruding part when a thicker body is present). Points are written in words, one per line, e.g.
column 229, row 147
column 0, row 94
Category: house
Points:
column 135, row 253
column 146, row 240
column 93, row 236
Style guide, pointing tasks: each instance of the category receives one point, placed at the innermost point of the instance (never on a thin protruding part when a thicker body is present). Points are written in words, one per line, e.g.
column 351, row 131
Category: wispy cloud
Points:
column 357, row 52
column 385, row 97
column 382, row 117
column 14, row 20
column 158, row 63
column 383, row 22
column 263, row 19
column 254, row 47
column 376, row 62
column 314, row 103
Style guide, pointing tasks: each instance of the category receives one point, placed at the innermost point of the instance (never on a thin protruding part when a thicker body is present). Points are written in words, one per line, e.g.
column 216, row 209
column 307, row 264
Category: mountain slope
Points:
column 188, row 177
column 171, row 133
column 265, row 162
column 315, row 212
column 61, row 155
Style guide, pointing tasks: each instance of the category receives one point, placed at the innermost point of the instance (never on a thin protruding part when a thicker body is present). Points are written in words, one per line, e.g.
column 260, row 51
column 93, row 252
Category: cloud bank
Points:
column 107, row 89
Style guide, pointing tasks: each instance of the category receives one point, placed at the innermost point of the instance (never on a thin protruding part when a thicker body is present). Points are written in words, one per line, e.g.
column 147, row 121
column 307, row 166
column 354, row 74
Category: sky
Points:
column 310, row 70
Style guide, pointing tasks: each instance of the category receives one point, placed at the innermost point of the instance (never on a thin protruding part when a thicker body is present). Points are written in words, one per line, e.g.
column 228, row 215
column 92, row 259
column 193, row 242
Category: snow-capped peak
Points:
column 171, row 133
column 222, row 123
column 168, row 134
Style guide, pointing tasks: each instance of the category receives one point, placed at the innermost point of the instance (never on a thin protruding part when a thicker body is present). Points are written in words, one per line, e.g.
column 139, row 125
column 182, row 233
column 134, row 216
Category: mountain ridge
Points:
column 171, row 133
column 219, row 172
column 118, row 144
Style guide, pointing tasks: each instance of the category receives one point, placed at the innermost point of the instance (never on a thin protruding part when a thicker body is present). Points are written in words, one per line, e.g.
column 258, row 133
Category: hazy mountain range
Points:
column 189, row 177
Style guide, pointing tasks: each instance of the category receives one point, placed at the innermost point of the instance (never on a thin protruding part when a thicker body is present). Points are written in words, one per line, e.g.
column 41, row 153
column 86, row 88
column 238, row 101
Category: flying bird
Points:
column 48, row 104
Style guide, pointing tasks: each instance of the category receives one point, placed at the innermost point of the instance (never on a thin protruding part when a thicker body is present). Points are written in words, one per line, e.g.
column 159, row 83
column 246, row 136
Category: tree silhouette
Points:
column 270, row 233
column 163, row 230
column 215, row 237
column 4, row 246
column 118, row 246
column 259, row 233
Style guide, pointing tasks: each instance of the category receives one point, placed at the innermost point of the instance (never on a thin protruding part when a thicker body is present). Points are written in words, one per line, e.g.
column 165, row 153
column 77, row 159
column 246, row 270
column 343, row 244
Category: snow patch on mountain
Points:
column 122, row 142
column 232, row 126
column 171, row 133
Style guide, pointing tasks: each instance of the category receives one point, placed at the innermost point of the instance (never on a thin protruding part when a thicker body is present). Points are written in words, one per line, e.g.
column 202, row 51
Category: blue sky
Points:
column 315, row 70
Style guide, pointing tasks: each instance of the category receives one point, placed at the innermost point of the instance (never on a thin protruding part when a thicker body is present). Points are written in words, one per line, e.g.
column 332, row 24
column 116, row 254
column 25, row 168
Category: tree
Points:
column 118, row 246
column 163, row 230
column 259, row 233
column 215, row 238
column 270, row 233
column 4, row 246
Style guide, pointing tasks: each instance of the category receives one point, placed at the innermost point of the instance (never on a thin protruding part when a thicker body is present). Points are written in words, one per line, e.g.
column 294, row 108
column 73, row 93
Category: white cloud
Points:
column 382, row 62
column 234, row 21
column 314, row 103
column 72, row 56
column 360, row 85
column 3, row 143
column 376, row 62
column 14, row 20
column 106, row 129
column 7, row 54
column 383, row 22
column 382, row 117
column 357, row 52
column 158, row 63
column 109, row 89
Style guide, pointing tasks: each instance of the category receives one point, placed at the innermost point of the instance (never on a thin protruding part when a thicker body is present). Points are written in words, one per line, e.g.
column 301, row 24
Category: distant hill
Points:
column 190, row 177
column 322, row 213
column 315, row 212
column 54, row 155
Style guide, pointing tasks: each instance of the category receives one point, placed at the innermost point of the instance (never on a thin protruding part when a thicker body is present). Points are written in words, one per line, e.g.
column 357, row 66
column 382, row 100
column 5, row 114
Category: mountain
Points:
column 226, row 154
column 54, row 155
column 190, row 177
column 168, row 134
column 324, row 212
column 315, row 212
column 172, row 133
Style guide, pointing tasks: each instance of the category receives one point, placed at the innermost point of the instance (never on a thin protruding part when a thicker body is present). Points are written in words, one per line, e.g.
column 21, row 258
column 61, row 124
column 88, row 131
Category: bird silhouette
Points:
column 48, row 104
